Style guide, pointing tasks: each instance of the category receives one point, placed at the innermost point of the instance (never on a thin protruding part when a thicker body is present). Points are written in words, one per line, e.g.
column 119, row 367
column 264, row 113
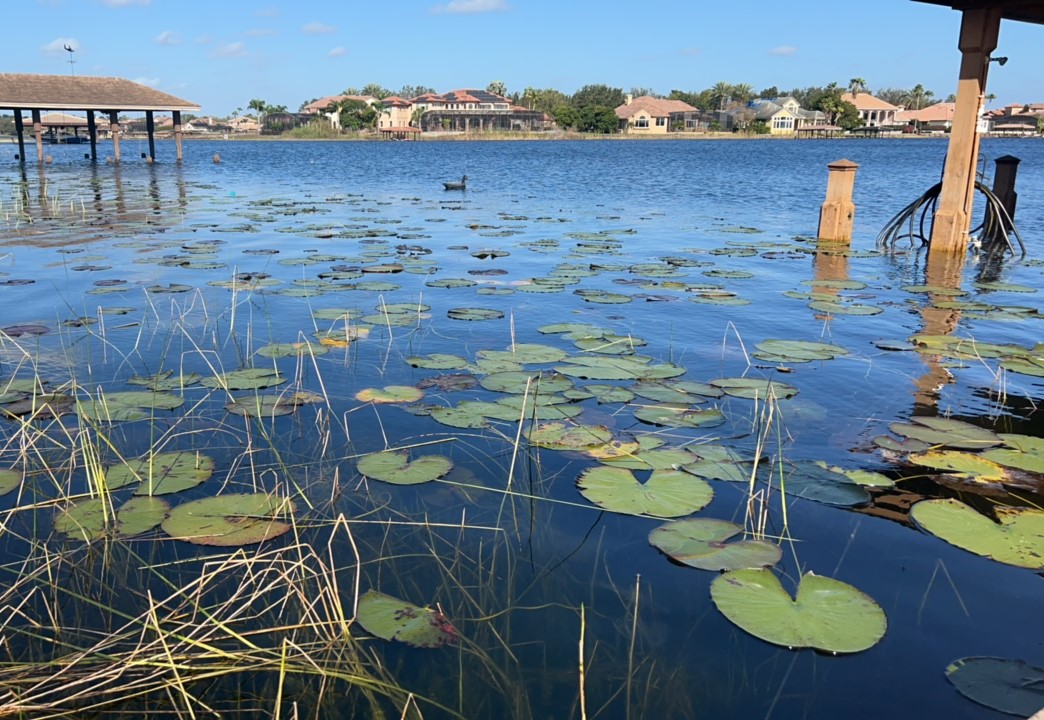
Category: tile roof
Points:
column 320, row 105
column 866, row 101
column 656, row 107
column 939, row 112
column 62, row 92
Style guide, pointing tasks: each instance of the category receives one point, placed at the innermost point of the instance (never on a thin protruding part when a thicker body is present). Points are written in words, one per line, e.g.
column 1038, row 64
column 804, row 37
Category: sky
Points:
column 220, row 54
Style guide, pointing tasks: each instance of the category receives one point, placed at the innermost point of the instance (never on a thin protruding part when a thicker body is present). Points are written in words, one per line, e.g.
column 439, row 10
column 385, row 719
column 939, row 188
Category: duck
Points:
column 462, row 185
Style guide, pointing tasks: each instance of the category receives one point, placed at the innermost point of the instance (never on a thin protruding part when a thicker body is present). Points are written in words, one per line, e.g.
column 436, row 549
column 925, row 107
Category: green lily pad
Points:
column 1017, row 539
column 127, row 406
column 161, row 473
column 1023, row 452
column 797, row 351
column 628, row 367
column 390, row 394
column 681, row 391
column 393, row 466
column 229, row 520
column 678, row 415
column 962, row 464
column 86, row 520
column 667, row 493
column 390, row 618
column 653, row 459
column 165, row 381
column 701, row 543
column 946, row 432
column 474, row 314
column 754, row 388
column 9, row 480
column 246, row 379
column 294, row 349
column 438, row 361
column 718, row 462
column 521, row 382
column 813, row 481
column 464, row 418
column 842, row 308
column 263, row 406
column 826, row 614
column 557, row 436
column 1010, row 686
column 525, row 354
column 604, row 394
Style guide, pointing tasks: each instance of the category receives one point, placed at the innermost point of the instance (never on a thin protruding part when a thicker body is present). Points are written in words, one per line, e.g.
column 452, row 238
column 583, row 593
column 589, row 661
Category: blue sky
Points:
column 222, row 53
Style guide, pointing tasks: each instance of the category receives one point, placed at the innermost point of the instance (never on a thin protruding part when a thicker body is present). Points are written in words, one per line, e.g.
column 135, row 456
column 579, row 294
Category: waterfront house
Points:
column 934, row 118
column 647, row 115
column 327, row 107
column 874, row 112
column 470, row 110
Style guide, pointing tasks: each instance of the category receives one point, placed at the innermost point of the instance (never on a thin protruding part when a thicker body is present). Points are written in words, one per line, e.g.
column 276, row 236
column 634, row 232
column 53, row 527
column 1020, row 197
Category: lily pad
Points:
column 629, row 367
column 86, row 520
column 679, row 415
column 962, row 464
column 826, row 614
column 521, row 382
column 1017, row 539
column 390, row 394
column 165, row 381
column 294, row 349
column 161, row 473
column 246, row 379
column 812, row 481
column 474, row 314
column 754, row 388
column 9, row 480
column 127, row 406
column 438, row 361
column 1023, row 452
column 667, row 493
column 390, row 618
column 1010, row 686
column 701, row 543
column 557, row 436
column 946, row 432
column 229, row 520
column 394, row 466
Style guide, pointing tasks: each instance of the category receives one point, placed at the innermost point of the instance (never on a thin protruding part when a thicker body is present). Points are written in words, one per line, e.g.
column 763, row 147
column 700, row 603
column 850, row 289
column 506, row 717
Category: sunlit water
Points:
column 73, row 230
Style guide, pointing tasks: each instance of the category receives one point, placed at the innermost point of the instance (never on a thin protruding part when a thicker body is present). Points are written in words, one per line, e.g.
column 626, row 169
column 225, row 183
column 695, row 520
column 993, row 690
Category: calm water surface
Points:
column 294, row 211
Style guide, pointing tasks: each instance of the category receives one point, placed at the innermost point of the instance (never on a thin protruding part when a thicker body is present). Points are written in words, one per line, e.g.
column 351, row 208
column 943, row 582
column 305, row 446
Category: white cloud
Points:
column 125, row 3
column 783, row 51
column 339, row 51
column 151, row 82
column 471, row 6
column 259, row 32
column 229, row 50
column 168, row 37
column 318, row 28
column 58, row 45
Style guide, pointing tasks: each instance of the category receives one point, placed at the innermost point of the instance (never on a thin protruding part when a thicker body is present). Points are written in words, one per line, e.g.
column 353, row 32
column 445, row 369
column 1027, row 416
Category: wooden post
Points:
column 1004, row 183
column 114, row 128
column 92, row 130
column 38, row 133
column 176, row 118
column 150, row 126
column 835, row 216
column 979, row 30
column 20, row 131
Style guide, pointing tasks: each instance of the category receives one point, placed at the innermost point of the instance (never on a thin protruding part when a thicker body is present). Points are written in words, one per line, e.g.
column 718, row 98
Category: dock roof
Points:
column 1029, row 11
column 62, row 92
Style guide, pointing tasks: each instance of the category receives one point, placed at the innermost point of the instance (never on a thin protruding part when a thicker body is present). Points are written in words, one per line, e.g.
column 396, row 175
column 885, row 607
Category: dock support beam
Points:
column 837, row 213
column 20, row 131
column 150, row 126
column 92, row 130
column 1007, row 168
column 176, row 118
column 38, row 134
column 114, row 128
column 980, row 28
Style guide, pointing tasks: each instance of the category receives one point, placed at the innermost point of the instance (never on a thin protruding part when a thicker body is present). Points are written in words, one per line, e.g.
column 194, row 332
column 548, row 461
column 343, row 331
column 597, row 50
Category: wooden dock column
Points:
column 979, row 30
column 114, row 128
column 150, row 126
column 837, row 213
column 176, row 118
column 20, row 132
column 1007, row 168
column 38, row 133
column 92, row 130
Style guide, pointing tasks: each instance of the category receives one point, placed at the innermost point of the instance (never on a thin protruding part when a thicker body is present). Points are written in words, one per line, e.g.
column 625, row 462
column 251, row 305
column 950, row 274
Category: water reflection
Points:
column 942, row 272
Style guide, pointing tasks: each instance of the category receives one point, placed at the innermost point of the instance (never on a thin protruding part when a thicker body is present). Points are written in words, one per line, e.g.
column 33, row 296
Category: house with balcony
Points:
column 326, row 107
column 471, row 110
column 647, row 115
column 874, row 112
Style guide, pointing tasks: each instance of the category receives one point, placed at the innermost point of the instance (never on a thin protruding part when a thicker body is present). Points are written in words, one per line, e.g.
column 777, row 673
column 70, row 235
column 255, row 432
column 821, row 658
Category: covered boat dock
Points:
column 109, row 95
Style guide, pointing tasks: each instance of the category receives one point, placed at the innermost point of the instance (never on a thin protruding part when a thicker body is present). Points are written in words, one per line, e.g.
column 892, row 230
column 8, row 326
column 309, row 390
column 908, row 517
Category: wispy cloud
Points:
column 58, row 45
column 126, row 3
column 338, row 52
column 259, row 32
column 203, row 40
column 229, row 50
column 318, row 28
column 168, row 37
column 783, row 51
column 461, row 7
column 151, row 82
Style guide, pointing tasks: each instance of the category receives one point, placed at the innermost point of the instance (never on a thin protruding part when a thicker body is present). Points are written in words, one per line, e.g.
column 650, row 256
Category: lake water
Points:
column 697, row 251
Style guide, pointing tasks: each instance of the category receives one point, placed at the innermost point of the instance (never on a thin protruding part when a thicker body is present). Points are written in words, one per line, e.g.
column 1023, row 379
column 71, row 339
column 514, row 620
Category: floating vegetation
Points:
column 1009, row 686
column 1016, row 538
column 395, row 467
column 665, row 494
column 389, row 618
column 230, row 520
column 703, row 543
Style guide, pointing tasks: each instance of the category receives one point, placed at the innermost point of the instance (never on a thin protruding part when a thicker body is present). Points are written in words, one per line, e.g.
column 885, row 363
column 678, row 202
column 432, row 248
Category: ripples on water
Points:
column 678, row 198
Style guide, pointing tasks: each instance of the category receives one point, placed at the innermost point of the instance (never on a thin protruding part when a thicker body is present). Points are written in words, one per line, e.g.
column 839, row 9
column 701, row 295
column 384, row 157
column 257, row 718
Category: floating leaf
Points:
column 9, row 480
column 827, row 614
column 127, row 406
column 701, row 543
column 459, row 417
column 962, row 464
column 474, row 314
column 630, row 367
column 390, row 394
column 161, row 473
column 653, row 459
column 294, row 349
column 525, row 354
column 229, row 520
column 1023, row 453
column 1017, row 539
column 164, row 381
column 85, row 520
column 521, row 382
column 946, row 432
column 394, row 466
column 389, row 618
column 556, row 436
column 755, row 388
column 1010, row 686
column 812, row 481
column 673, row 415
column 262, row 406
column 246, row 379
column 667, row 493
column 797, row 351
column 438, row 361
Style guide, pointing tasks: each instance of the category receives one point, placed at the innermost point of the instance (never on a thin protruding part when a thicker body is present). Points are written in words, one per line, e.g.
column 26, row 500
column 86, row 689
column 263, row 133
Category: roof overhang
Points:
column 1031, row 11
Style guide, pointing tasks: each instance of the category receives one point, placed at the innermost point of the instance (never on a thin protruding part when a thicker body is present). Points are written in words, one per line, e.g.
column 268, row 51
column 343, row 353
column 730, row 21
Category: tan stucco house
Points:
column 873, row 111
column 647, row 115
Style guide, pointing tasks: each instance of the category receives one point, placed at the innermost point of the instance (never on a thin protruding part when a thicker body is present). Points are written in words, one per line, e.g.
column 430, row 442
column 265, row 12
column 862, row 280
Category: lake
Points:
column 460, row 435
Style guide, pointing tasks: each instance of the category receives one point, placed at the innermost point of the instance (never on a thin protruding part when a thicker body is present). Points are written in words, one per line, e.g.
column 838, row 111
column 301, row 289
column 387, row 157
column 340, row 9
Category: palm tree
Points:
column 918, row 97
column 857, row 85
column 743, row 92
column 990, row 98
column 721, row 92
